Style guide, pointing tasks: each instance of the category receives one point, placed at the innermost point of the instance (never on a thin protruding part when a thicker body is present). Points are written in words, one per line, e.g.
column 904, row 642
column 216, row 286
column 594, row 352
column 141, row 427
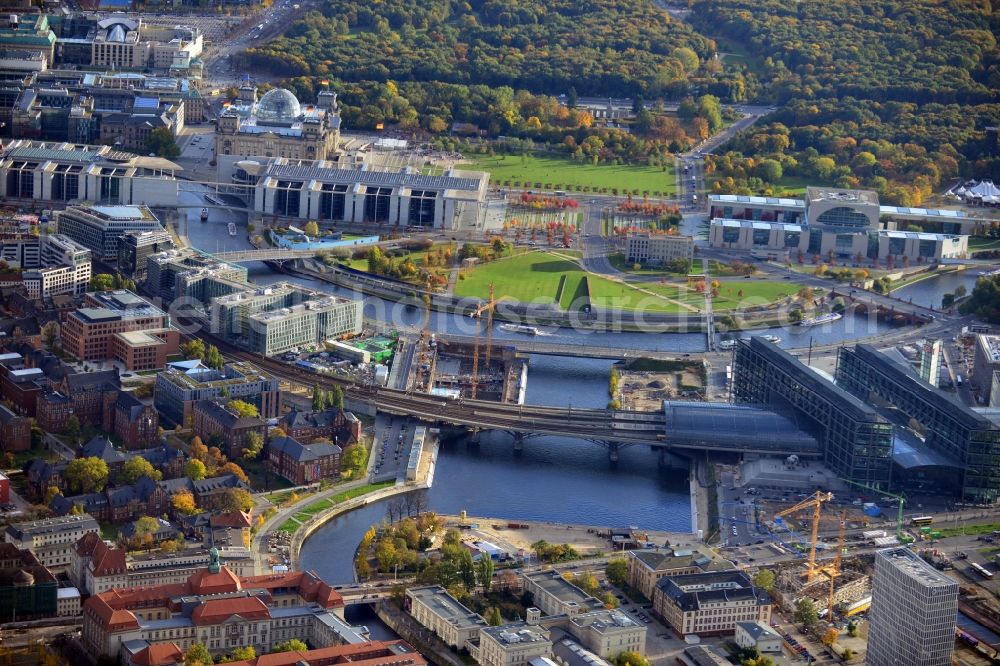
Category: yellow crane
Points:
column 832, row 570
column 814, row 503
column 488, row 308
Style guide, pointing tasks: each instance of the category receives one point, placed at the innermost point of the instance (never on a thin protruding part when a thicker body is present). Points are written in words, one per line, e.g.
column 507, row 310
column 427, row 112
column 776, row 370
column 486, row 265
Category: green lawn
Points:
column 541, row 277
column 618, row 261
column 417, row 257
column 310, row 510
column 559, row 173
column 983, row 243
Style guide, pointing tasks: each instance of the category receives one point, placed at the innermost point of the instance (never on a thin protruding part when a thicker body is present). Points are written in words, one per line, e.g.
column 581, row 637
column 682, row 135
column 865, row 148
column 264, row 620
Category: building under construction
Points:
column 450, row 368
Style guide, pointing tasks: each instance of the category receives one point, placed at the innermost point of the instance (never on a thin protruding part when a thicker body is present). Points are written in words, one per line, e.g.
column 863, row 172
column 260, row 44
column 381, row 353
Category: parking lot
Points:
column 391, row 448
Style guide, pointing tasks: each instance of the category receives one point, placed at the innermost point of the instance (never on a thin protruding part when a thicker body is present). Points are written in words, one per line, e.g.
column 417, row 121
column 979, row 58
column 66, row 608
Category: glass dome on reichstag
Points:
column 278, row 106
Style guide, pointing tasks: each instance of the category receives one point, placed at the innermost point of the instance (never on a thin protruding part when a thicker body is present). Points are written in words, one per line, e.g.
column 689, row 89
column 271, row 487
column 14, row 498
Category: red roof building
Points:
column 215, row 607
column 374, row 653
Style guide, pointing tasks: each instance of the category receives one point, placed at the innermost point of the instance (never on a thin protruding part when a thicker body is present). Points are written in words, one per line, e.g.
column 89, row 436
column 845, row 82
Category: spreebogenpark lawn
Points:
column 565, row 174
column 550, row 277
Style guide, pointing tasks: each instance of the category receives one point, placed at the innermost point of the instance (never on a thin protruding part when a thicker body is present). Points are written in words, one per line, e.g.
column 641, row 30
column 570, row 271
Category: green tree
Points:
column 292, row 644
column 72, row 429
column 609, row 600
column 335, row 398
column 235, row 499
column 484, row 573
column 86, row 475
column 198, row 655
column 137, row 467
column 769, row 171
column 805, row 612
column 213, row 358
column 146, row 525
column 630, row 659
column 494, row 618
column 244, row 410
column 466, row 569
column 764, row 579
column 311, row 228
column 361, row 567
column 194, row 349
column 161, row 143
column 195, row 470
column 852, row 629
column 352, row 460
column 253, row 444
column 318, row 397
column 101, row 282
column 617, row 571
column 710, row 109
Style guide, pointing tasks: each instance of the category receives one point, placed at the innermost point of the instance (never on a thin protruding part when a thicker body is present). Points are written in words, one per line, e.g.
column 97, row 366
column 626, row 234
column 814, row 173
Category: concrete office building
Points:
column 986, row 362
column 120, row 326
column 444, row 615
column 513, row 644
column 554, row 595
column 913, row 612
column 758, row 635
column 100, row 228
column 53, row 264
column 69, row 173
column 232, row 316
column 307, row 323
column 330, row 192
column 658, row 249
column 52, row 540
column 835, row 222
column 182, row 384
column 855, row 441
column 607, row 633
column 135, row 248
column 193, row 275
column 646, row 567
column 710, row 604
column 959, row 446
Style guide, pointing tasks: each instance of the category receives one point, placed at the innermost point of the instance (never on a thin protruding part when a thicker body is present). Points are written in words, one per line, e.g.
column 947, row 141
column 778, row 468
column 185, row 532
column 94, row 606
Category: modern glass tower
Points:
column 913, row 613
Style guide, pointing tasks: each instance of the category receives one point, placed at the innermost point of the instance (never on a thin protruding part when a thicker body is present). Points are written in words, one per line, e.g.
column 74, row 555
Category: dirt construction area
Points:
column 517, row 540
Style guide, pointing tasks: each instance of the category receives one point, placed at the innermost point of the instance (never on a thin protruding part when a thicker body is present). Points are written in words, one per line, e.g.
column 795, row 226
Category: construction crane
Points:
column 832, row 570
column 814, row 503
column 428, row 352
column 488, row 308
column 905, row 538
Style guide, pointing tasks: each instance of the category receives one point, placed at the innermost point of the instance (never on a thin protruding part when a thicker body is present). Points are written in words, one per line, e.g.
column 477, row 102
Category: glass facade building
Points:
column 914, row 607
column 856, row 442
column 948, row 427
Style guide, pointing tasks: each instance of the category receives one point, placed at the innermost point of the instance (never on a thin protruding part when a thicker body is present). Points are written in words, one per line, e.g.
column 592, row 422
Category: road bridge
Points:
column 266, row 254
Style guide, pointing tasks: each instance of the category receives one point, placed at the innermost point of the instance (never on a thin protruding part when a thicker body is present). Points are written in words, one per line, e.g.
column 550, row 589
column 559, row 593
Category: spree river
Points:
column 556, row 479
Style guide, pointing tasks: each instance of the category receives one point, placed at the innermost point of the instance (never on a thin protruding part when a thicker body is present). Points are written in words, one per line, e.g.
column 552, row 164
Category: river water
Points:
column 556, row 479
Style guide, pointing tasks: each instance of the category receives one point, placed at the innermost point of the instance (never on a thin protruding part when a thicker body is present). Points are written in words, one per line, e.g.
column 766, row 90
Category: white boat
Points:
column 995, row 271
column 772, row 338
column 232, row 229
column 520, row 328
column 727, row 344
column 821, row 319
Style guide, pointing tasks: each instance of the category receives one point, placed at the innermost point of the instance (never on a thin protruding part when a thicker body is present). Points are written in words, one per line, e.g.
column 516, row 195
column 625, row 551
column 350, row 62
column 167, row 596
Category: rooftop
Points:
column 816, row 194
column 990, row 344
column 514, row 633
column 446, row 606
column 350, row 176
column 906, row 561
column 759, row 201
column 119, row 213
column 756, row 224
column 724, row 424
column 563, row 590
column 51, row 525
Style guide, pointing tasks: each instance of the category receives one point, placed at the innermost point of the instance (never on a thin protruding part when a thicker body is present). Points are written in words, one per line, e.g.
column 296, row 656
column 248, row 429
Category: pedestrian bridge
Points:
column 266, row 254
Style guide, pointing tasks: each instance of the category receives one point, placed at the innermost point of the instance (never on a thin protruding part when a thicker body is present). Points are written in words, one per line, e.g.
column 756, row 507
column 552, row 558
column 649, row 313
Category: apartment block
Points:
column 180, row 385
column 554, row 595
column 52, row 540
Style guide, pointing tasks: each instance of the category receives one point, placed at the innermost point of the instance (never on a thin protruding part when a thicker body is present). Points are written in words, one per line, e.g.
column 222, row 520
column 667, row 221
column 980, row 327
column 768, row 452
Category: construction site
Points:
column 479, row 370
column 834, row 548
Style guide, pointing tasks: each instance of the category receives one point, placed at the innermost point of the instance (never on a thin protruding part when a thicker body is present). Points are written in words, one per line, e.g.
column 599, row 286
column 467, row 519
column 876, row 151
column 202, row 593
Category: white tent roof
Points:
column 982, row 190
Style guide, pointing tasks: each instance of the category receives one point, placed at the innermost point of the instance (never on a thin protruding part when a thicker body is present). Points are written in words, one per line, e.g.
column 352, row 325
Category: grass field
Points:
column 310, row 510
column 558, row 173
column 983, row 243
column 541, row 277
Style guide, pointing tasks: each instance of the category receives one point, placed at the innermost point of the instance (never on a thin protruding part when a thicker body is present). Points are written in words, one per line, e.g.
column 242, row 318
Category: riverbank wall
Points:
column 425, row 478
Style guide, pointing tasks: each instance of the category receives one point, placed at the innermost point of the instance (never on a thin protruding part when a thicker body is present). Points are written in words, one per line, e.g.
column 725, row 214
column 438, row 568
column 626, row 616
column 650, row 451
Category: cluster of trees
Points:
column 859, row 108
column 210, row 356
column 161, row 143
column 624, row 46
column 588, row 582
column 323, row 399
column 551, row 553
column 109, row 282
column 985, row 300
column 403, row 268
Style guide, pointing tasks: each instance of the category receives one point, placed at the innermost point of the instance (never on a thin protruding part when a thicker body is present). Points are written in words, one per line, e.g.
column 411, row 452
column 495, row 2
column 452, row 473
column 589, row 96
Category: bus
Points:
column 981, row 570
column 922, row 520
